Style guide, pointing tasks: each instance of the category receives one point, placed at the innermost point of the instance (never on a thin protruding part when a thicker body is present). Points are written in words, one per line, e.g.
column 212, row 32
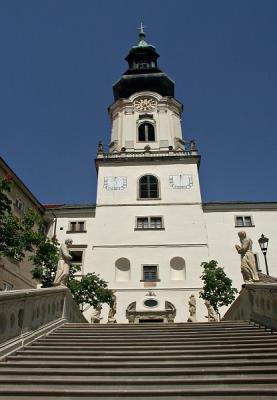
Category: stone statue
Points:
column 192, row 145
column 65, row 257
column 212, row 315
column 112, row 311
column 96, row 315
column 100, row 147
column 192, row 309
column 248, row 263
column 114, row 147
column 179, row 144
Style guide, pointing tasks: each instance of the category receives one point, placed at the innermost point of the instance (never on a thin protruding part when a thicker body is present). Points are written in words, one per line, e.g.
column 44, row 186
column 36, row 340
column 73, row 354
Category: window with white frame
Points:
column 146, row 132
column 243, row 220
column 148, row 187
column 76, row 226
column 19, row 204
column 77, row 255
column 150, row 273
column 149, row 223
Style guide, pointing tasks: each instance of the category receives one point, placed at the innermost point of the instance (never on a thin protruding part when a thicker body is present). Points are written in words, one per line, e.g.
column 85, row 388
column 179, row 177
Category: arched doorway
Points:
column 135, row 316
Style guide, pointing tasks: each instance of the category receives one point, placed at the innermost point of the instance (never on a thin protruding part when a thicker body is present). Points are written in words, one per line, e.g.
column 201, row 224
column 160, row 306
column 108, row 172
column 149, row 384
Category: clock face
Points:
column 145, row 104
column 181, row 181
column 115, row 182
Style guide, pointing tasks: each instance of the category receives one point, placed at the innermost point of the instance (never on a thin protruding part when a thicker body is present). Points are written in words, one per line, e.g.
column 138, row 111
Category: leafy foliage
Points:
column 89, row 289
column 17, row 235
column 45, row 261
column 22, row 236
column 217, row 288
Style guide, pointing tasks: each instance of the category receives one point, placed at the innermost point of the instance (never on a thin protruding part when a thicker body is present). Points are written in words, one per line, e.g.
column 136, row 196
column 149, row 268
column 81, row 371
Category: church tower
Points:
column 149, row 231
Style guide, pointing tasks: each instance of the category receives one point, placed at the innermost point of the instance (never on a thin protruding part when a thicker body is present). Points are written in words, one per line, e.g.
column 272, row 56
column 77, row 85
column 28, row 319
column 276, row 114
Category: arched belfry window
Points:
column 148, row 187
column 146, row 132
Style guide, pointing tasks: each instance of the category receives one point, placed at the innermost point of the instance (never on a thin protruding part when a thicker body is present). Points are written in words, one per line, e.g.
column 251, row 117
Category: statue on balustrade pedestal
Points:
column 192, row 308
column 212, row 315
column 65, row 257
column 248, row 263
column 112, row 311
column 96, row 315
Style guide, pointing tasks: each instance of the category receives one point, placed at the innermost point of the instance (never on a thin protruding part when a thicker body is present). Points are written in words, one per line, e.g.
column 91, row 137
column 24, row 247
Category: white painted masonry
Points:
column 191, row 232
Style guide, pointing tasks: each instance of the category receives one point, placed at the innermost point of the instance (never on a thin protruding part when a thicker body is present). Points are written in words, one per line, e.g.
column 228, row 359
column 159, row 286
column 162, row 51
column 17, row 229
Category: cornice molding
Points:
column 239, row 206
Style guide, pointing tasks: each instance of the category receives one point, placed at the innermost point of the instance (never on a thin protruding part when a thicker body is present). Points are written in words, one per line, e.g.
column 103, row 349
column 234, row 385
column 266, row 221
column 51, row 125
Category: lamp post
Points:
column 263, row 242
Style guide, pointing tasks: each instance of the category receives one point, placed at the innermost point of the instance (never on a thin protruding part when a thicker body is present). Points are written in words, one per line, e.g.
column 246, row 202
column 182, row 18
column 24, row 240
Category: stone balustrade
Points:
column 25, row 314
column 256, row 302
column 146, row 154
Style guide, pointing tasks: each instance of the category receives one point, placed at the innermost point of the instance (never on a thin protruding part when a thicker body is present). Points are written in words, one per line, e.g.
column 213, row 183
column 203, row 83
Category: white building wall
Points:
column 166, row 117
column 117, row 251
column 222, row 237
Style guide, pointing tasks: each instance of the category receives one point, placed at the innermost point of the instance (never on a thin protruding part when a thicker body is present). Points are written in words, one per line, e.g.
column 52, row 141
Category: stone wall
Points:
column 256, row 302
column 24, row 313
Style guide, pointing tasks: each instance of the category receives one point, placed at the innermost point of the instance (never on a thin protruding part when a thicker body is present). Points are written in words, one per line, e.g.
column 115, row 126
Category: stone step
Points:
column 156, row 361
column 150, row 343
column 158, row 393
column 134, row 385
column 166, row 396
column 192, row 328
column 165, row 352
column 125, row 358
column 88, row 373
column 149, row 349
column 160, row 325
column 186, row 363
column 140, row 380
column 94, row 335
column 133, row 335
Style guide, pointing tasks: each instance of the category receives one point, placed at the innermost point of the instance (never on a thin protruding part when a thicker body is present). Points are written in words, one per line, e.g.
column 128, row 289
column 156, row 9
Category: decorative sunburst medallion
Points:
column 145, row 104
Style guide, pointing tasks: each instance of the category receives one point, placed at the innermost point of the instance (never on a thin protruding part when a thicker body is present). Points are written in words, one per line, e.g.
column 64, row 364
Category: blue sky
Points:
column 59, row 59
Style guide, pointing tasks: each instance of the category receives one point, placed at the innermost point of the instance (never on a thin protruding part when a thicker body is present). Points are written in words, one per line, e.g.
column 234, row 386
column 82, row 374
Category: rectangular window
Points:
column 149, row 223
column 150, row 273
column 243, row 221
column 77, row 257
column 78, row 260
column 43, row 229
column 19, row 204
column 76, row 226
column 7, row 286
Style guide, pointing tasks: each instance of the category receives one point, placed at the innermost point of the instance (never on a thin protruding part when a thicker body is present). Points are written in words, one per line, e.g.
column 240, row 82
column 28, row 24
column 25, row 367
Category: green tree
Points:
column 17, row 235
column 45, row 260
column 217, row 288
column 89, row 290
column 21, row 237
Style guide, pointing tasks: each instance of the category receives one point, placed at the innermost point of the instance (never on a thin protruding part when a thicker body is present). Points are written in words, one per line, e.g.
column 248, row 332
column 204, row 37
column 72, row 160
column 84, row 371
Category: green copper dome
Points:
column 143, row 73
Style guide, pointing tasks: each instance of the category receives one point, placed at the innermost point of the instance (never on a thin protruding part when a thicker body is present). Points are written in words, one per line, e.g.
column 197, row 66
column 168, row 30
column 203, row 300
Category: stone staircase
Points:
column 226, row 360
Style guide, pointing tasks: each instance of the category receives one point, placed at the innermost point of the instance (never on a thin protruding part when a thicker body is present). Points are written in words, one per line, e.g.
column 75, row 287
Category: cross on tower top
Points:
column 141, row 28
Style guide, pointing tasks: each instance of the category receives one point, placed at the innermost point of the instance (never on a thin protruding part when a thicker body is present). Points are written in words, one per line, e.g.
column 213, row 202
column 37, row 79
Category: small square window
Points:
column 150, row 272
column 72, row 226
column 149, row 223
column 7, row 286
column 77, row 257
column 77, row 226
column 243, row 221
column 142, row 222
column 19, row 204
column 155, row 222
column 77, row 260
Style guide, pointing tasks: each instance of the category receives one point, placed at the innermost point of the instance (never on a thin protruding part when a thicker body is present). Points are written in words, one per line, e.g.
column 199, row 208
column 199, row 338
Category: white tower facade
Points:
column 150, row 235
column 149, row 231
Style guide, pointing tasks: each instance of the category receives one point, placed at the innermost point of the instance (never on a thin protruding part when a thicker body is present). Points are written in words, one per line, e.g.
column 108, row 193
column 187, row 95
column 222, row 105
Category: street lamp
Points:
column 263, row 242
